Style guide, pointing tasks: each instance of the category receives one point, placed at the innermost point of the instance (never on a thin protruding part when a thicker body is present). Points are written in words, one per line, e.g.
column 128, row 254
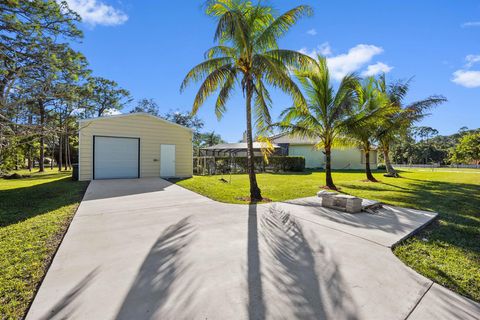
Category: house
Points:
column 134, row 145
column 342, row 158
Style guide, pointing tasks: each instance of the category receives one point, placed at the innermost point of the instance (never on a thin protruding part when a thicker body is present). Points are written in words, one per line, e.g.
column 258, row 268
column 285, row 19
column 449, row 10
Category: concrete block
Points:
column 328, row 202
column 325, row 193
column 354, row 205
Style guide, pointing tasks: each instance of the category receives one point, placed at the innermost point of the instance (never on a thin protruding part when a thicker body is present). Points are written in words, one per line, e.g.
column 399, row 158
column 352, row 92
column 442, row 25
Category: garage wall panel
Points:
column 152, row 133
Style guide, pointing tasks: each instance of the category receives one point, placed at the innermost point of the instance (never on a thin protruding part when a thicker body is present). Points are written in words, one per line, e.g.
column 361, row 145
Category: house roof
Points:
column 134, row 114
column 284, row 137
column 237, row 146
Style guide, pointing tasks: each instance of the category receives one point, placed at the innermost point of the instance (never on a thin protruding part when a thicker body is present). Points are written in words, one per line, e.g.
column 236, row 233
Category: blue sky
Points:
column 149, row 46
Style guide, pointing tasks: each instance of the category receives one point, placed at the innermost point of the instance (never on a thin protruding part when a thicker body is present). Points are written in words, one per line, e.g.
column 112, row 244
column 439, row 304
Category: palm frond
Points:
column 297, row 130
column 200, row 71
column 225, row 93
column 290, row 58
column 212, row 82
column 346, row 97
column 262, row 106
column 418, row 108
column 220, row 52
column 233, row 27
column 268, row 38
column 266, row 147
column 277, row 75
column 397, row 91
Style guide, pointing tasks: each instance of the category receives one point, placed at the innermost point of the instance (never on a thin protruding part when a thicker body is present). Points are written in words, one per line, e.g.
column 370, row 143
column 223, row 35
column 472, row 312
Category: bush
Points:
column 287, row 163
column 381, row 166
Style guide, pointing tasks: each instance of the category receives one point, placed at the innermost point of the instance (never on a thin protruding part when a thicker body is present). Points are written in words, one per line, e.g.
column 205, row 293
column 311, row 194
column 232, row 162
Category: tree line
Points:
column 423, row 145
column 46, row 86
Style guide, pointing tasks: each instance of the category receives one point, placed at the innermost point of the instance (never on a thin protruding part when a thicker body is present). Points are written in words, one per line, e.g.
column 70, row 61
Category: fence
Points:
column 437, row 165
column 210, row 165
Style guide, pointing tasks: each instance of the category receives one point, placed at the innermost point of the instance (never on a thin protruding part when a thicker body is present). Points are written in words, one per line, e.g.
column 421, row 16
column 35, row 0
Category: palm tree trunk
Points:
column 328, row 169
column 368, row 171
column 255, row 193
column 388, row 164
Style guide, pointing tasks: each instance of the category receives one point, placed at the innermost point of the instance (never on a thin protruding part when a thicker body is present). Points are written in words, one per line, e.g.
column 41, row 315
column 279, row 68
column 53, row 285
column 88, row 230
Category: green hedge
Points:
column 275, row 164
column 287, row 163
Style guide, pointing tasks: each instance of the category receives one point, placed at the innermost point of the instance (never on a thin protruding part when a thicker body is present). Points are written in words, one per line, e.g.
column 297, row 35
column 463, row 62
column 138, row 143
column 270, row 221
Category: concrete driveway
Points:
column 147, row 249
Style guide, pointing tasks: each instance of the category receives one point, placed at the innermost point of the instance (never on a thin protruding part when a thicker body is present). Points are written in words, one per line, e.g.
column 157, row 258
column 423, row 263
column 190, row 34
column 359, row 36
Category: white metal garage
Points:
column 134, row 145
column 116, row 157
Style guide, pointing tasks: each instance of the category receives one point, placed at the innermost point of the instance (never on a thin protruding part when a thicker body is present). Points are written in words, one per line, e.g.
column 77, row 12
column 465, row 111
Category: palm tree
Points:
column 247, row 53
column 328, row 113
column 400, row 117
column 209, row 139
column 371, row 104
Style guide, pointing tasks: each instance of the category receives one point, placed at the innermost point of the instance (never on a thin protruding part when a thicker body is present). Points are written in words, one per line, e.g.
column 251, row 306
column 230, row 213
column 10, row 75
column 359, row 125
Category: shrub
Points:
column 287, row 163
column 381, row 166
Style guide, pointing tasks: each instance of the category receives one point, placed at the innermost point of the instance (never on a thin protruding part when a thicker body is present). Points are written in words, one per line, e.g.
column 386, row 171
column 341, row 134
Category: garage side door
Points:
column 116, row 158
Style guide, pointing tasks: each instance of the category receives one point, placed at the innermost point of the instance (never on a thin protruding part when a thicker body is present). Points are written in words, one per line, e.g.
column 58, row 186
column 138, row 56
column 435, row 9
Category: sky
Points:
column 148, row 46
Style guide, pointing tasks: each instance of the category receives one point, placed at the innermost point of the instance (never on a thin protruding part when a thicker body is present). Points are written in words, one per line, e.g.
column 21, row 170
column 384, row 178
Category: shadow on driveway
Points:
column 285, row 261
column 65, row 307
column 163, row 266
column 104, row 189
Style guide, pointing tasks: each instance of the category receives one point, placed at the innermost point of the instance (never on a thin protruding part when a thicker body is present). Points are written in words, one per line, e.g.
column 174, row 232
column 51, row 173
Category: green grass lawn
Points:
column 448, row 251
column 34, row 214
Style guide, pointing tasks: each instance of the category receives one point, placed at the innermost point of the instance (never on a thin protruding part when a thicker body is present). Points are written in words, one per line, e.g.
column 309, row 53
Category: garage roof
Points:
column 134, row 114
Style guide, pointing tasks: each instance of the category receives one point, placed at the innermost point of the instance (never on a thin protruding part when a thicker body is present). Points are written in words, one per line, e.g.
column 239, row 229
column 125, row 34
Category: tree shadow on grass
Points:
column 23, row 203
column 446, row 198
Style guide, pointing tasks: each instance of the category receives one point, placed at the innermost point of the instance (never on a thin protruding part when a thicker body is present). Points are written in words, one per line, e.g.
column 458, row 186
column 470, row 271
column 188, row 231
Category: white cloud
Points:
column 324, row 49
column 353, row 60
column 376, row 68
column 471, row 59
column 467, row 78
column 471, row 24
column 95, row 12
column 312, row 32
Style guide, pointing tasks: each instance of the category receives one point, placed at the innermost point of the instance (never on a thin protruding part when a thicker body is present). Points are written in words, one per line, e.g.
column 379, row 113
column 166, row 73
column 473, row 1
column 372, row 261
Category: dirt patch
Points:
column 249, row 200
column 328, row 188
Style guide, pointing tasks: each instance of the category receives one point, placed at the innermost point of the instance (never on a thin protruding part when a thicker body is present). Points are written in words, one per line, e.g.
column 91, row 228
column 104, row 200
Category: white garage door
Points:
column 115, row 158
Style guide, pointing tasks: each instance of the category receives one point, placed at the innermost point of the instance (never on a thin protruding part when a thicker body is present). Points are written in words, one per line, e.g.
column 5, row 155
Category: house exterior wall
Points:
column 313, row 158
column 348, row 158
column 152, row 133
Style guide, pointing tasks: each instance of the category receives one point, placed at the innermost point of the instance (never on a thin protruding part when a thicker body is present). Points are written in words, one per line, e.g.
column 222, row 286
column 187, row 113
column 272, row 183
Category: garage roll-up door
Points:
column 116, row 158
